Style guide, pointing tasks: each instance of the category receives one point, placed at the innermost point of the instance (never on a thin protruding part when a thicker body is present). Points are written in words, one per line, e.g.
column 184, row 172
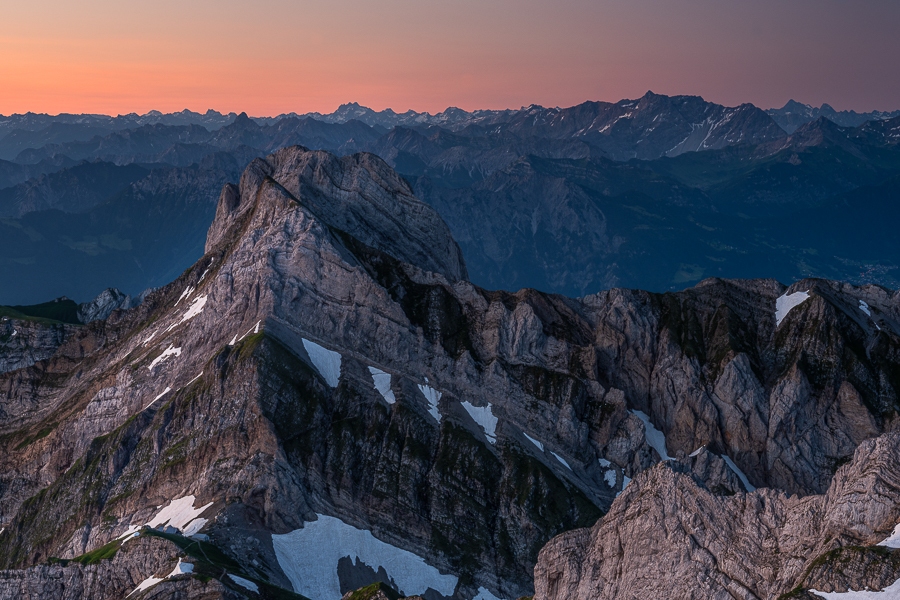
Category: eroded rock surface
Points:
column 327, row 359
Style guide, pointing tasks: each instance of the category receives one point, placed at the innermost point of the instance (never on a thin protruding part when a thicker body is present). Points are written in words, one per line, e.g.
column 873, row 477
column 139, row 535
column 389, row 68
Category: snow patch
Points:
column 738, row 472
column 610, row 474
column 180, row 514
column 170, row 351
column 194, row 309
column 891, row 591
column 893, row 541
column 244, row 583
column 697, row 451
column 485, row 594
column 147, row 341
column 561, row 459
column 625, row 481
column 165, row 391
column 327, row 362
column 610, row 477
column 786, row 302
column 186, row 293
column 233, row 340
column 485, row 418
column 182, row 568
column 382, row 382
column 539, row 445
column 433, row 396
column 309, row 557
column 865, row 308
column 654, row 436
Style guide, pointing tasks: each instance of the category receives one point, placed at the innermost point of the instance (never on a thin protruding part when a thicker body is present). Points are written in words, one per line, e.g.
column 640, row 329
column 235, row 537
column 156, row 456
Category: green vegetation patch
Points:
column 370, row 591
column 54, row 312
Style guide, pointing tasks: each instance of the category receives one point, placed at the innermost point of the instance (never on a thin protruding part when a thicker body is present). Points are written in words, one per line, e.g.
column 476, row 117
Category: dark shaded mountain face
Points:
column 140, row 236
column 72, row 190
column 794, row 114
column 325, row 383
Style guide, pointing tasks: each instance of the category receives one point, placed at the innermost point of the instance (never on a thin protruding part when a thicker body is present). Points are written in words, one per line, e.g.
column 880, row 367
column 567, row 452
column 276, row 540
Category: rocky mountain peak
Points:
column 359, row 195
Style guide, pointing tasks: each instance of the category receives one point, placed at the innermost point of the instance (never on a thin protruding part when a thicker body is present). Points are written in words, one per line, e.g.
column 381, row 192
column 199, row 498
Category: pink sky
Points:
column 273, row 56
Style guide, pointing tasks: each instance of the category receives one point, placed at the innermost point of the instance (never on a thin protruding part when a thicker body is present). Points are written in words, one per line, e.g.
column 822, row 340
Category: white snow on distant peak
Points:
column 327, row 362
column 697, row 451
column 892, row 541
column 865, row 308
column 170, row 351
column 485, row 594
column 433, row 396
column 165, row 391
column 654, row 436
column 233, row 340
column 891, row 591
column 309, row 557
column 738, row 472
column 539, row 445
column 484, row 416
column 382, row 382
column 182, row 568
column 786, row 302
column 561, row 459
column 186, row 293
column 244, row 583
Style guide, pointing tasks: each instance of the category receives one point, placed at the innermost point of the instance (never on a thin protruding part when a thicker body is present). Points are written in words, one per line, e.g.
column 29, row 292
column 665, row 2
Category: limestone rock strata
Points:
column 667, row 535
column 328, row 359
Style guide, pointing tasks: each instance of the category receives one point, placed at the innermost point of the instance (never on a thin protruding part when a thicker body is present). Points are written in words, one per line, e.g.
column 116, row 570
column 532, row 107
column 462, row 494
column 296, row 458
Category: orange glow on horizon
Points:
column 100, row 56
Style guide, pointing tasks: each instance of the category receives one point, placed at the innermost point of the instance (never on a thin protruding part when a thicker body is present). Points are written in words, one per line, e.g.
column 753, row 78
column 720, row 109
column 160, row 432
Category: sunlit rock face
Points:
column 325, row 381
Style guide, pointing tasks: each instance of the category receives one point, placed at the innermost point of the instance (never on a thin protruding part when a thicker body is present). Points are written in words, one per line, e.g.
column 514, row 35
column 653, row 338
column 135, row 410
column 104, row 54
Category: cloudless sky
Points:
column 272, row 56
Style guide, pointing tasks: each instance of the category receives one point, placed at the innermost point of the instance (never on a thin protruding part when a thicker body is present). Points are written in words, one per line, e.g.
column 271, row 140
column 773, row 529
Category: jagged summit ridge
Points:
column 359, row 195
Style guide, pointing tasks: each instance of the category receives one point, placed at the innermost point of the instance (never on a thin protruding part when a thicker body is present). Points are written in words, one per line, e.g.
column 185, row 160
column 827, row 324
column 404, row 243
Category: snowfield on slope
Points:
column 327, row 362
column 786, row 302
column 309, row 557
column 382, row 383
column 654, row 436
column 433, row 396
column 890, row 592
column 485, row 418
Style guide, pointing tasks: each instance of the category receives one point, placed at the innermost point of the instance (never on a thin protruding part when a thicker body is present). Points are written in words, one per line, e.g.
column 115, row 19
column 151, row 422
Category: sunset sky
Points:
column 273, row 56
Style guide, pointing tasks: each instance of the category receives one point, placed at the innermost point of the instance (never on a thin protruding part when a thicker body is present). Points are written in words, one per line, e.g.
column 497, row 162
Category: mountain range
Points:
column 324, row 405
column 551, row 199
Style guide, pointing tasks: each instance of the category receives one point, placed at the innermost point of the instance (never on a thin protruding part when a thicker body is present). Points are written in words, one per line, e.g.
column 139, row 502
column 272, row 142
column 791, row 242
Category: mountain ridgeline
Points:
column 324, row 402
column 655, row 193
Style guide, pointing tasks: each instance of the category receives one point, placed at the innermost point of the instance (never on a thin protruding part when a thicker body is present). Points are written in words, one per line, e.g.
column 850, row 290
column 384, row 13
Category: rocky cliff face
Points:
column 24, row 342
column 328, row 401
column 757, row 545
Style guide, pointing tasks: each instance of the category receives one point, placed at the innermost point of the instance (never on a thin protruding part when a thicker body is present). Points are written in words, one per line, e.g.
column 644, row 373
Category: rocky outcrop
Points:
column 326, row 370
column 668, row 535
column 24, row 342
column 100, row 307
